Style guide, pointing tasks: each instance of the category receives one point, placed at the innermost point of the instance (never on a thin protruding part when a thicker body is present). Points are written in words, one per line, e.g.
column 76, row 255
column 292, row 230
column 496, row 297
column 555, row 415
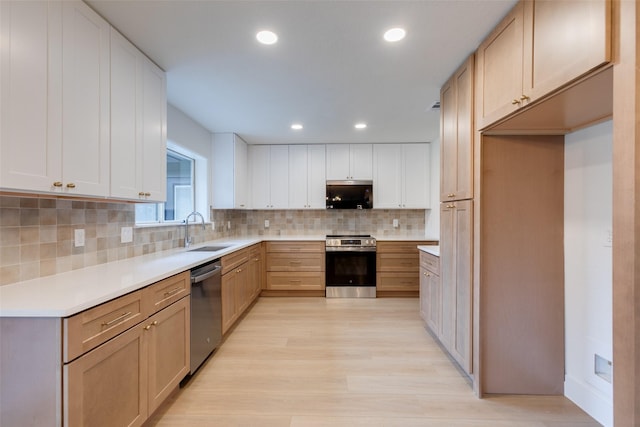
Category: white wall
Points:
column 588, row 267
column 432, row 216
column 194, row 141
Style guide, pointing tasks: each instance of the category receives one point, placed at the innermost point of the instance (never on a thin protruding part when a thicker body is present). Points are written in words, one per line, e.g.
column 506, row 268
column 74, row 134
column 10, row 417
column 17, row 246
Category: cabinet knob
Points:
column 524, row 98
column 57, row 184
column 516, row 102
column 147, row 194
column 141, row 194
column 451, row 195
column 146, row 328
column 71, row 185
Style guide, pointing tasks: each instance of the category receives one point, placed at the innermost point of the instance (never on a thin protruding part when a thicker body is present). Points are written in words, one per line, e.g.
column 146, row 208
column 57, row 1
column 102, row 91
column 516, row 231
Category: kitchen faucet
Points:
column 187, row 239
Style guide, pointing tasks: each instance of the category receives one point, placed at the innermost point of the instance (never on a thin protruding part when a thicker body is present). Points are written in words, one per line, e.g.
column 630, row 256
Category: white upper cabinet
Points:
column 85, row 101
column 30, row 96
column 229, row 172
column 349, row 161
column 269, row 166
column 138, row 124
column 401, row 176
column 307, row 183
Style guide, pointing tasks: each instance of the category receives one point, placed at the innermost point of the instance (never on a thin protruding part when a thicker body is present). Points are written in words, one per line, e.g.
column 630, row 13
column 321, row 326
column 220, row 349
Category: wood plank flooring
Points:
column 344, row 362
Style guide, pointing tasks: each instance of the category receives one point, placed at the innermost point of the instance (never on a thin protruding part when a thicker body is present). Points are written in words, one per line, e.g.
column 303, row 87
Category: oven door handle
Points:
column 350, row 249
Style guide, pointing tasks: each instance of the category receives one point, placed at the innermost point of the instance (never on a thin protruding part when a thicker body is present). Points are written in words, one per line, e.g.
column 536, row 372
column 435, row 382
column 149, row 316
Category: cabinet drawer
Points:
column 93, row 327
column 286, row 281
column 404, row 246
column 232, row 261
column 402, row 262
column 295, row 246
column 165, row 292
column 430, row 262
column 283, row 261
column 398, row 281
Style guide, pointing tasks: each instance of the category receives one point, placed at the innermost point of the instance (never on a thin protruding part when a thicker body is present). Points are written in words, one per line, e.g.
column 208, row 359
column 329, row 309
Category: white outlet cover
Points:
column 78, row 237
column 266, row 223
column 126, row 234
column 395, row 223
column 229, row 225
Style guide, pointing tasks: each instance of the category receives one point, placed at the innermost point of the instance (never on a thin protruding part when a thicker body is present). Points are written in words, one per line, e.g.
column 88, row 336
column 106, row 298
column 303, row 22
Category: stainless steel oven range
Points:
column 350, row 266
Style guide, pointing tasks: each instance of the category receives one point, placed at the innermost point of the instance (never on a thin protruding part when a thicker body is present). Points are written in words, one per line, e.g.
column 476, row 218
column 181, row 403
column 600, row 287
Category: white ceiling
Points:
column 329, row 69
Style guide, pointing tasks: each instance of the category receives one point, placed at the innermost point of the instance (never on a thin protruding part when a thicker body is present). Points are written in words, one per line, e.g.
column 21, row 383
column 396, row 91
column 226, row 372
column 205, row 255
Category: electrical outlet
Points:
column 395, row 223
column 126, row 234
column 266, row 223
column 78, row 237
column 228, row 225
column 213, row 225
column 608, row 239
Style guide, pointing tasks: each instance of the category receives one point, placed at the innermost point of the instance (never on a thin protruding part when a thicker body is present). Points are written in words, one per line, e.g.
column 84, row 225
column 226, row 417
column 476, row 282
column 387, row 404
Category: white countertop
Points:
column 433, row 250
column 66, row 294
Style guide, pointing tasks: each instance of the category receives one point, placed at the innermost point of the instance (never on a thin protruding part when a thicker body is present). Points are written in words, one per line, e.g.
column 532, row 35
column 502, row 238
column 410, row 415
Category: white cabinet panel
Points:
column 229, row 172
column 401, row 176
column 138, row 124
column 307, row 181
column 30, row 88
column 85, row 101
column 269, row 176
column 349, row 161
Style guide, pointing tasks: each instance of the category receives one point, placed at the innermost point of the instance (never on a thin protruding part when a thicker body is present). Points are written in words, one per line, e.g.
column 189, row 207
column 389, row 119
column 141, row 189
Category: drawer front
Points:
column 165, row 292
column 90, row 328
column 430, row 262
column 232, row 261
column 404, row 246
column 284, row 281
column 398, row 282
column 283, row 261
column 400, row 262
column 295, row 246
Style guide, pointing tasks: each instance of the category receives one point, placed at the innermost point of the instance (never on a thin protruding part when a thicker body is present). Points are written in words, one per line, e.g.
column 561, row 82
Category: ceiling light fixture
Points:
column 267, row 37
column 296, row 126
column 394, row 34
column 360, row 125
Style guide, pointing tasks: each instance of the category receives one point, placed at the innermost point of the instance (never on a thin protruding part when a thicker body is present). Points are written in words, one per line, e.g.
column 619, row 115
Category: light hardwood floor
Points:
column 344, row 362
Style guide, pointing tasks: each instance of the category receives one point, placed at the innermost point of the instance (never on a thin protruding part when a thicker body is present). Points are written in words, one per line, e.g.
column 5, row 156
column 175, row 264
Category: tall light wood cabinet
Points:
column 540, row 46
column 138, row 124
column 401, row 176
column 349, row 161
column 456, row 229
column 269, row 176
column 456, row 134
column 307, row 171
column 55, row 98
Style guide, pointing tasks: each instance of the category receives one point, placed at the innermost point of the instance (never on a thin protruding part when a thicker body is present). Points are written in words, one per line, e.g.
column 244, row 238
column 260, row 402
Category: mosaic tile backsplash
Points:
column 37, row 233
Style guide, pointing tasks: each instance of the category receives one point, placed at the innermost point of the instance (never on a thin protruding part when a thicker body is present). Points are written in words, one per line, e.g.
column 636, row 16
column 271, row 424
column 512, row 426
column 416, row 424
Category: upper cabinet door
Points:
column 30, row 95
column 361, row 161
column 499, row 69
column 456, row 137
column 154, row 132
column 415, row 176
column 298, row 176
column 338, row 161
column 279, row 177
column 563, row 40
column 387, row 186
column 85, row 101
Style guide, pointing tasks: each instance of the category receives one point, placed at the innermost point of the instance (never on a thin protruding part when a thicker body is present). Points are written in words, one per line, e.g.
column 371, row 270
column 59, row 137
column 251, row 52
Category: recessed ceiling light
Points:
column 296, row 126
column 267, row 37
column 360, row 125
column 394, row 34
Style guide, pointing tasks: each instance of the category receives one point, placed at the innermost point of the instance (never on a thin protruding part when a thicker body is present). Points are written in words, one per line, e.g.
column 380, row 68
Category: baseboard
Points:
column 590, row 400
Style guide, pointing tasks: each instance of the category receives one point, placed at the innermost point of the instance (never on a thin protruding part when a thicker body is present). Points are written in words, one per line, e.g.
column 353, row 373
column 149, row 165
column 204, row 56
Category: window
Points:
column 180, row 193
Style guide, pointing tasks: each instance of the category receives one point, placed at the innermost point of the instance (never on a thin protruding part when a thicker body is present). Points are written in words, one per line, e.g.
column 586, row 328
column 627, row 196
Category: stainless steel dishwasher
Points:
column 206, row 311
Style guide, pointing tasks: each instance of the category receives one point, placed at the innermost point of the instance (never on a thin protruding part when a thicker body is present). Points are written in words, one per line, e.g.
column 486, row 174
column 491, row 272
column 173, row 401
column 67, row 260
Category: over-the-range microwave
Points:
column 349, row 194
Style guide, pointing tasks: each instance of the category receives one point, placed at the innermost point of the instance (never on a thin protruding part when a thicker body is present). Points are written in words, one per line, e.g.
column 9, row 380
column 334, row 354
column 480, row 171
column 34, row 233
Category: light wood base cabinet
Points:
column 430, row 292
column 295, row 266
column 241, row 283
column 68, row 372
column 398, row 267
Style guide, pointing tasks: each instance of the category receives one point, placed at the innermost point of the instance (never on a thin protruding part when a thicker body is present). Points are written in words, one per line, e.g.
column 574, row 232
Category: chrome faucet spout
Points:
column 187, row 238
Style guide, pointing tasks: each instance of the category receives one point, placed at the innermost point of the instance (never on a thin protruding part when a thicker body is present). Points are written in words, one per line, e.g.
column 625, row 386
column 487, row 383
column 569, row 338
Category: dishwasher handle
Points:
column 205, row 276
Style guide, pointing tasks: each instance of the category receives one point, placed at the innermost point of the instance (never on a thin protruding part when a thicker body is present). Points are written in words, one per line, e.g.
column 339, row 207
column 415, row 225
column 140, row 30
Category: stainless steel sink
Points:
column 209, row 248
